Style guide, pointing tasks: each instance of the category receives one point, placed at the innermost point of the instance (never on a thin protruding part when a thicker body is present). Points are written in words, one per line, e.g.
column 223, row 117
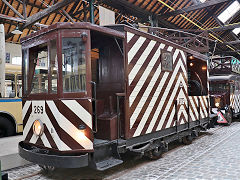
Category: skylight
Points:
column 236, row 31
column 229, row 12
column 202, row 1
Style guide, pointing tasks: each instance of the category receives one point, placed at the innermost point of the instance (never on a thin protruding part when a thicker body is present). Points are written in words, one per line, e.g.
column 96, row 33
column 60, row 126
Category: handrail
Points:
column 94, row 99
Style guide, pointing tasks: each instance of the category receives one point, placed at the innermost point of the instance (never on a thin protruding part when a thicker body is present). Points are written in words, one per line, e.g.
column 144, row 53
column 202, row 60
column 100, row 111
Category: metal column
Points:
column 91, row 11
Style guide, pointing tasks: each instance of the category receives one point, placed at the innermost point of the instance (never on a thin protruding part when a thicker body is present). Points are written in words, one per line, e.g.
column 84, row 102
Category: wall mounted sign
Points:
column 167, row 61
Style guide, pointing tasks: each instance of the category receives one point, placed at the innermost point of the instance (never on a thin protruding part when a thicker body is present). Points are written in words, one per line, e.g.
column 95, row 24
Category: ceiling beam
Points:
column 225, row 27
column 229, row 52
column 232, row 42
column 40, row 15
column 13, row 9
column 2, row 16
column 126, row 7
column 195, row 7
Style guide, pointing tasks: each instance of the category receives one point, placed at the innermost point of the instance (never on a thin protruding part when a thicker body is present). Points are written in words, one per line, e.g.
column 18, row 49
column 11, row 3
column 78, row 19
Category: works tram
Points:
column 92, row 93
column 225, row 88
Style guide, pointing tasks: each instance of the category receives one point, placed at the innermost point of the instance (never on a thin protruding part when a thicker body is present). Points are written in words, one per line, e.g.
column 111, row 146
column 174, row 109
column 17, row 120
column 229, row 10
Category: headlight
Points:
column 217, row 104
column 38, row 127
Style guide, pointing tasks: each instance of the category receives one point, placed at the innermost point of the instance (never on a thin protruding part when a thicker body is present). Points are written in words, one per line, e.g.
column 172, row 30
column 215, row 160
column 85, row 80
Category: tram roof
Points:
column 77, row 25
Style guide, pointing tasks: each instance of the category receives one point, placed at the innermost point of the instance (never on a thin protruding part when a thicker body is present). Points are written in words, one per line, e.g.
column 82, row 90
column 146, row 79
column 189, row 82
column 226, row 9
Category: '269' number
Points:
column 38, row 109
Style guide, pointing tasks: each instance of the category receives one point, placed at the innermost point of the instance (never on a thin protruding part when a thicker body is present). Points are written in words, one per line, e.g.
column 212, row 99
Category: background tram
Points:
column 11, row 102
column 225, row 88
column 104, row 91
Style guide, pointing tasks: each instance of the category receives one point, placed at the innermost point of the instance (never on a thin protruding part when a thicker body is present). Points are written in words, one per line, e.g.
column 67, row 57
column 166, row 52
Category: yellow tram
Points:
column 11, row 102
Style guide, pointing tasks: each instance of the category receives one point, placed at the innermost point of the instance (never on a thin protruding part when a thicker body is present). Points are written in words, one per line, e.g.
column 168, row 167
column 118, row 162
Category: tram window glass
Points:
column 25, row 70
column 10, row 85
column 38, row 59
column 19, row 85
column 53, row 65
column 73, row 65
column 219, row 87
column 232, row 87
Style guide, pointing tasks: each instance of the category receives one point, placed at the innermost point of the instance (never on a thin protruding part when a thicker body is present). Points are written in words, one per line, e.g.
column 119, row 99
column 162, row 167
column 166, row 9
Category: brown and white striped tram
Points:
column 91, row 93
column 225, row 88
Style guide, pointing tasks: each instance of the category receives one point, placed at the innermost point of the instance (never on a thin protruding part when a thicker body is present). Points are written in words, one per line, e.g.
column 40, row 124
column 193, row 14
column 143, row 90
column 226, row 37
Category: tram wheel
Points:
column 187, row 140
column 229, row 117
column 6, row 127
column 155, row 154
column 47, row 169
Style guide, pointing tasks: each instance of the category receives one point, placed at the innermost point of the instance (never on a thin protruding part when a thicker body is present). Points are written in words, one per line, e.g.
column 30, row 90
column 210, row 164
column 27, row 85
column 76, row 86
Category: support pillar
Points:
column 91, row 11
column 2, row 60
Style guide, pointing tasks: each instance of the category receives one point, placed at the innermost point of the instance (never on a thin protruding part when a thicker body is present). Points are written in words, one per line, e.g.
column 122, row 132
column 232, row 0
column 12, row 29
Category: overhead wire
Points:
column 191, row 21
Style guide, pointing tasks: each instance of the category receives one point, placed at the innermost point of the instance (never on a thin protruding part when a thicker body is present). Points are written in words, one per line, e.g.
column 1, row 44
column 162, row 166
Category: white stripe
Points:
column 203, row 109
column 84, row 115
column 60, row 144
column 184, row 56
column 34, row 139
column 25, row 108
column 170, row 48
column 45, row 141
column 129, row 36
column 175, row 55
column 135, row 48
column 191, row 115
column 171, row 118
column 195, row 111
column 69, row 128
column 141, row 60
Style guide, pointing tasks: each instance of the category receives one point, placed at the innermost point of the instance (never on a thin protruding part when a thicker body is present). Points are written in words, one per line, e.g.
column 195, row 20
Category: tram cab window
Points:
column 73, row 65
column 38, row 57
column 10, row 85
column 19, row 85
column 232, row 87
column 218, row 86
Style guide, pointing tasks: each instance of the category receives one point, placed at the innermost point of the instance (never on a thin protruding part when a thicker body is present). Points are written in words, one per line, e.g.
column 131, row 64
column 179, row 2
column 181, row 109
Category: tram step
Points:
column 103, row 165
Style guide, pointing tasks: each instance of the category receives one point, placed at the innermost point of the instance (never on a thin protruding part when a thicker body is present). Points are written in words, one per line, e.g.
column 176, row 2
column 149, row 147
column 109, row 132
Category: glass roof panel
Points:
column 229, row 12
column 236, row 31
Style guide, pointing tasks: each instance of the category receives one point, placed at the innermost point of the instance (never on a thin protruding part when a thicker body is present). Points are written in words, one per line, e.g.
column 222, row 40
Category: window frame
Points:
column 71, row 34
column 38, row 41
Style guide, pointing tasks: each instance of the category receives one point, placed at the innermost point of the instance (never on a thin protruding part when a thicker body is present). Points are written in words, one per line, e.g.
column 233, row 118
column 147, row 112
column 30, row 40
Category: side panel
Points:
column 13, row 107
column 61, row 119
column 198, row 107
column 152, row 93
column 235, row 102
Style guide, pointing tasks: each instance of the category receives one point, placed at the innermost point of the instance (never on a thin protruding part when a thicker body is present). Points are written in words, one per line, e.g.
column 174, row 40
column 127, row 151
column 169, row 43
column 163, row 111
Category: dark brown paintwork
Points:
column 106, row 87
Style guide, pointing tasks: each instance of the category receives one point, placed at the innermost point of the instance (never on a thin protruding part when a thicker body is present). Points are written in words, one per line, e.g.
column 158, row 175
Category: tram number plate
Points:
column 38, row 109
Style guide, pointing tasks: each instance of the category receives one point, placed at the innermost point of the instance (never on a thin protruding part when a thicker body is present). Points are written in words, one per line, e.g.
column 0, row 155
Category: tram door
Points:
column 107, row 64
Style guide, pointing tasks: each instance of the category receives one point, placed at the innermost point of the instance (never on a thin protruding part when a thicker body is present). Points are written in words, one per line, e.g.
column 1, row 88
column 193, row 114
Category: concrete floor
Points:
column 9, row 153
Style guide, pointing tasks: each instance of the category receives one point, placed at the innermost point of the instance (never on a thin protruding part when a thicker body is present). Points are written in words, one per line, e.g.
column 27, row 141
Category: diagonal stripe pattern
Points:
column 60, row 133
column 153, row 92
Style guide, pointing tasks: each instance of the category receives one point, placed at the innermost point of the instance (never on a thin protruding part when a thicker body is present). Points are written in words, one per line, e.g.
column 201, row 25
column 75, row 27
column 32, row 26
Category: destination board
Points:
column 235, row 64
